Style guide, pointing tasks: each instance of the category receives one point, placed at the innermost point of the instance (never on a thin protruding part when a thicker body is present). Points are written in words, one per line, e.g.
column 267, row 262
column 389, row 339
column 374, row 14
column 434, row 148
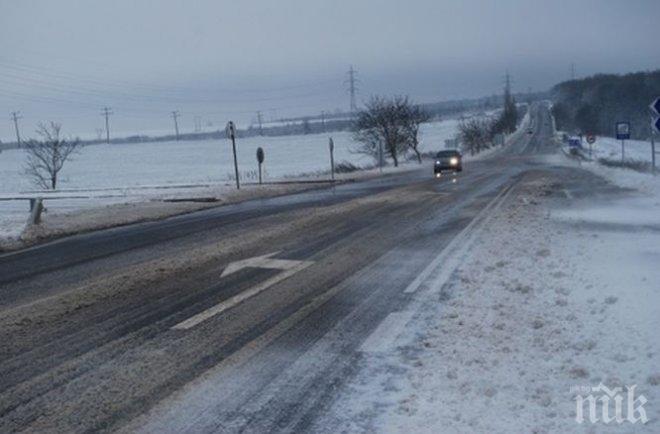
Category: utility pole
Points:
column 16, row 116
column 351, row 81
column 198, row 124
column 572, row 71
column 331, row 147
column 107, row 111
column 260, row 122
column 175, row 116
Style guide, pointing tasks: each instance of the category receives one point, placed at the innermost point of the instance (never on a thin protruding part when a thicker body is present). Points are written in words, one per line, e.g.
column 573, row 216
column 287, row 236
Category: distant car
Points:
column 447, row 161
column 574, row 145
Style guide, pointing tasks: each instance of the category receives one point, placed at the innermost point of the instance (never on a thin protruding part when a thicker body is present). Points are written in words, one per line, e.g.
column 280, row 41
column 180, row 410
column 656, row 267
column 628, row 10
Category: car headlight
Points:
column 453, row 161
column 437, row 162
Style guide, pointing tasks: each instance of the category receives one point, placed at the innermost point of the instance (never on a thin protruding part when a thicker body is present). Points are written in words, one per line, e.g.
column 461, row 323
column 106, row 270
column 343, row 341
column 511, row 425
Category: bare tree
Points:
column 47, row 156
column 382, row 126
column 414, row 117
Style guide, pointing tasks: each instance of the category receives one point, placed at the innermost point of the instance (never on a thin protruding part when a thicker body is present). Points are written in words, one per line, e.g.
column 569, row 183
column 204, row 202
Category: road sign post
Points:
column 623, row 134
column 591, row 139
column 331, row 147
column 655, row 127
column 231, row 133
column 260, row 160
column 653, row 151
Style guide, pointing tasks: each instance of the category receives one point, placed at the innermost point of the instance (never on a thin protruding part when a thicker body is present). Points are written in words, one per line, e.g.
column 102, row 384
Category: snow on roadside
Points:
column 646, row 183
column 549, row 301
column 610, row 149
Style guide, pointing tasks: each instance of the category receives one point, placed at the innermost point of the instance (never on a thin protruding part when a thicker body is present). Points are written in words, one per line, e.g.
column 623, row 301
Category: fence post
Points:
column 36, row 208
column 331, row 146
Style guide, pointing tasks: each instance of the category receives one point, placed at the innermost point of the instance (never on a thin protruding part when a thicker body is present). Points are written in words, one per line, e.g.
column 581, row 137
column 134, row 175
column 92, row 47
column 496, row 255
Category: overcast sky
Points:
column 64, row 60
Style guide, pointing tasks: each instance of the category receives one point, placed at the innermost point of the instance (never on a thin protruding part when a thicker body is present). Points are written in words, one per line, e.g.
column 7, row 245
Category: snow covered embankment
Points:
column 552, row 299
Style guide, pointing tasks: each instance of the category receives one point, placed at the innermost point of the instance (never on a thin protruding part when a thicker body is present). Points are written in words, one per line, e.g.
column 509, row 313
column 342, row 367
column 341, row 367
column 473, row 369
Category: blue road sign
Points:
column 655, row 106
column 656, row 125
column 623, row 130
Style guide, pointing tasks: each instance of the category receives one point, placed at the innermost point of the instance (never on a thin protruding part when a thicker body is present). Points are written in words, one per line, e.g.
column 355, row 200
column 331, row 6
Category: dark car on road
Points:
column 447, row 161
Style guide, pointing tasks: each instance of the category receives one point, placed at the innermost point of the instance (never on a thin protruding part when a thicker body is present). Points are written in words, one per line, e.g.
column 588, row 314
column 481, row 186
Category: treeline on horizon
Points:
column 594, row 104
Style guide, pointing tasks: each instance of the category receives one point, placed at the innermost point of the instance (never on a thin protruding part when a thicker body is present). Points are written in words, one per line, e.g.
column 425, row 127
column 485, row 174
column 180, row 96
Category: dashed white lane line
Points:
column 459, row 240
column 383, row 338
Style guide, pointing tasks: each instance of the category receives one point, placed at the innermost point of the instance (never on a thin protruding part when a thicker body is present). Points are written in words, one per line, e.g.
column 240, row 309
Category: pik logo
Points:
column 615, row 405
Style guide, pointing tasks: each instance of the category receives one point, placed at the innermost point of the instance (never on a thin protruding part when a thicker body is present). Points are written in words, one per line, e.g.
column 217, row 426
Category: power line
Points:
column 16, row 116
column 75, row 84
column 175, row 116
column 107, row 112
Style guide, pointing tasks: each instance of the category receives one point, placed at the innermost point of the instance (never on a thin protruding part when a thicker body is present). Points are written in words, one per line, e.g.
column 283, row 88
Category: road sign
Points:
column 655, row 106
column 591, row 139
column 623, row 130
column 230, row 130
column 656, row 125
column 260, row 160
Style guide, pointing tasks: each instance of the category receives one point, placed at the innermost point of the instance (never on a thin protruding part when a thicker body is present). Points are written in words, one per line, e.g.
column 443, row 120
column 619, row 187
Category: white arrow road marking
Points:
column 289, row 266
column 263, row 261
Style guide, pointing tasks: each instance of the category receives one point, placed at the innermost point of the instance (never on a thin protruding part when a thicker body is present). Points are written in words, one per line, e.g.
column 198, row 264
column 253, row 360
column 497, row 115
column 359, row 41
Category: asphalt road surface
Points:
column 155, row 327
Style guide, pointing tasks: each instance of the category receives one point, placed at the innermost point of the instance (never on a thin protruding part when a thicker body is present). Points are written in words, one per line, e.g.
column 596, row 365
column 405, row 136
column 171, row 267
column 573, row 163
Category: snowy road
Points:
column 139, row 329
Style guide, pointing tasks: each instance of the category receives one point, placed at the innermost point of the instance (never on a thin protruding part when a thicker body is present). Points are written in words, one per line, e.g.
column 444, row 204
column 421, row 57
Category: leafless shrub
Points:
column 476, row 134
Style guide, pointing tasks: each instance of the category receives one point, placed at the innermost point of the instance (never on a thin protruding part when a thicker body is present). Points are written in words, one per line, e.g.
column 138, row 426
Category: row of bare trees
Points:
column 389, row 127
column 476, row 134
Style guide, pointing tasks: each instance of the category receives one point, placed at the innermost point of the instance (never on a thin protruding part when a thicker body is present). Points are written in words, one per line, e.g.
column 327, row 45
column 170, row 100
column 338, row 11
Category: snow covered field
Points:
column 610, row 149
column 113, row 174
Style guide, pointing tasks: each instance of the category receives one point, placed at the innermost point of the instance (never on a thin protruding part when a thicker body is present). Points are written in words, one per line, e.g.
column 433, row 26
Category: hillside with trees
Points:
column 594, row 104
